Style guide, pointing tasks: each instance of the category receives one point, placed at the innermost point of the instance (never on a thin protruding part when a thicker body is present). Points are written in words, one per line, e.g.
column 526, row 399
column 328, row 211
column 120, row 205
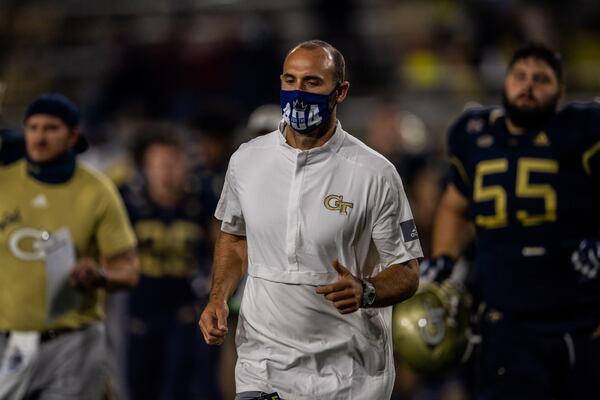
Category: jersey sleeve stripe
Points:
column 461, row 170
column 587, row 155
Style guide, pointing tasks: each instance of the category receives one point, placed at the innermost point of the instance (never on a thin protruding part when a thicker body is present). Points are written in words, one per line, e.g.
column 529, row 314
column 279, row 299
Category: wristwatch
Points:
column 368, row 297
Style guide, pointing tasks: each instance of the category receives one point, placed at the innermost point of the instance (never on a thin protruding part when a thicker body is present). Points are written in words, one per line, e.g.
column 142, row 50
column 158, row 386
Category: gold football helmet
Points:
column 431, row 330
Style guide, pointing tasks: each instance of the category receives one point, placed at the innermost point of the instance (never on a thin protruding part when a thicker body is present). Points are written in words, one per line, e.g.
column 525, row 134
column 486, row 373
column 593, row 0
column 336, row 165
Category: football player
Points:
column 526, row 176
column 171, row 212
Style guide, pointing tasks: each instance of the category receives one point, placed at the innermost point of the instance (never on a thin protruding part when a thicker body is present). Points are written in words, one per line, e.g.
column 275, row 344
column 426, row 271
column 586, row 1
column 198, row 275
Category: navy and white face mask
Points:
column 305, row 111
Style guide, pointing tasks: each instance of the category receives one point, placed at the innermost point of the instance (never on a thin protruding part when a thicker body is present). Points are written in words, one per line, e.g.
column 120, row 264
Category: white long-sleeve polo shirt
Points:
column 301, row 209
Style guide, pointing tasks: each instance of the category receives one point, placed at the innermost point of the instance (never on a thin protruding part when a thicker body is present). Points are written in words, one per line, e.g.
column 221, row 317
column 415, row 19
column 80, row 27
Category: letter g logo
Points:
column 26, row 243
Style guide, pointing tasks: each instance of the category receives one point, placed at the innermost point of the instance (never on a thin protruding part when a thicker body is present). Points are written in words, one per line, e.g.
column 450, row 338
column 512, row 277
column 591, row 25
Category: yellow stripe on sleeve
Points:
column 587, row 155
column 461, row 170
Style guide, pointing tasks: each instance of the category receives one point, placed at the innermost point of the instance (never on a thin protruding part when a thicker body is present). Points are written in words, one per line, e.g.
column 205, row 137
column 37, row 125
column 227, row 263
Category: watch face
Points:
column 371, row 297
column 368, row 293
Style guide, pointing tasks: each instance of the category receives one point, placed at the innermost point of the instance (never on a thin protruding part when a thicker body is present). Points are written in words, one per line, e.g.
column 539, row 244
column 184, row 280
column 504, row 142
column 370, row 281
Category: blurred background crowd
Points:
column 209, row 70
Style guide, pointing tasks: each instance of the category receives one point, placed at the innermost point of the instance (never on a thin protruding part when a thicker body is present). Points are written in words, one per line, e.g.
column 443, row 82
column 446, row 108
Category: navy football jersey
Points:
column 173, row 246
column 533, row 198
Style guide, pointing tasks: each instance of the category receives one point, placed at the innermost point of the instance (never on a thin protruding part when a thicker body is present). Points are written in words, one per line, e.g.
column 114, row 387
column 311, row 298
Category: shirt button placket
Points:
column 293, row 226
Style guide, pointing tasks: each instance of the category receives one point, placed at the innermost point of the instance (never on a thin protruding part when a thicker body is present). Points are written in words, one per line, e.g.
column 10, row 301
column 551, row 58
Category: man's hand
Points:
column 346, row 293
column 586, row 259
column 87, row 274
column 213, row 322
column 436, row 269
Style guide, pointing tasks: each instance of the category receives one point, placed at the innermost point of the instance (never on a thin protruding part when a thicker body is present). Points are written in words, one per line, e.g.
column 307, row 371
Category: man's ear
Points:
column 75, row 133
column 342, row 91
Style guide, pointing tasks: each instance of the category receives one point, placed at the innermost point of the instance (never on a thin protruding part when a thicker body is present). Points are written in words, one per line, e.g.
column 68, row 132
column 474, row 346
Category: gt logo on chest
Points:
column 336, row 203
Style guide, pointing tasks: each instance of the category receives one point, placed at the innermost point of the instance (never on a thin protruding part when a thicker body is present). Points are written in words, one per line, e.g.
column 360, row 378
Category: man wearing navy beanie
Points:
column 52, row 338
column 59, row 106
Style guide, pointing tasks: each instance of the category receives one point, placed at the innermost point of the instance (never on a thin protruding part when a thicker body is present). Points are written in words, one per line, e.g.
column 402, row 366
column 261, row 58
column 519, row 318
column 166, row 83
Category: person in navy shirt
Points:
column 171, row 212
column 526, row 177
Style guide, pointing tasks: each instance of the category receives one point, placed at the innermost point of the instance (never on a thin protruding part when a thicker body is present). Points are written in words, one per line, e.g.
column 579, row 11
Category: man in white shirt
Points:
column 322, row 225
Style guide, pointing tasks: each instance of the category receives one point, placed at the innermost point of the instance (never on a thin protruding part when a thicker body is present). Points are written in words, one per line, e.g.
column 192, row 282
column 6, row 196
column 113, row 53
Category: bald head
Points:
column 337, row 63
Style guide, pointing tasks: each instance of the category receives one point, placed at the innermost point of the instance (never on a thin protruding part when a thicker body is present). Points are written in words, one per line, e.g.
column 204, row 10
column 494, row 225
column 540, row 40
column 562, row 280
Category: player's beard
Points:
column 530, row 118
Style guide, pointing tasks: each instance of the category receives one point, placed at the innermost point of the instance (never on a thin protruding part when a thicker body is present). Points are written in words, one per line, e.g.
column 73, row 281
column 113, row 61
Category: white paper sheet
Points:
column 60, row 258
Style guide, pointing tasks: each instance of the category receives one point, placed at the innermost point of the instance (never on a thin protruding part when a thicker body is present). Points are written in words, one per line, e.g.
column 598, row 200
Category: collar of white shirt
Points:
column 332, row 145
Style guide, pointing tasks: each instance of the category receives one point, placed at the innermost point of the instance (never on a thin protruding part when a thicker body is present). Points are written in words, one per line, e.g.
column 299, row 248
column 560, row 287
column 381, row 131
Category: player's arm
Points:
column 119, row 271
column 452, row 229
column 229, row 267
column 452, row 232
column 586, row 257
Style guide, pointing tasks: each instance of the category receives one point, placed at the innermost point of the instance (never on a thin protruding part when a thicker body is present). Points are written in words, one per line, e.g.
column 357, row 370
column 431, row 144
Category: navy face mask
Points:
column 305, row 111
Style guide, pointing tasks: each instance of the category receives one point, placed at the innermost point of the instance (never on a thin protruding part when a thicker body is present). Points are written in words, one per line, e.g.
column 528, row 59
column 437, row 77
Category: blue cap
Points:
column 59, row 106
